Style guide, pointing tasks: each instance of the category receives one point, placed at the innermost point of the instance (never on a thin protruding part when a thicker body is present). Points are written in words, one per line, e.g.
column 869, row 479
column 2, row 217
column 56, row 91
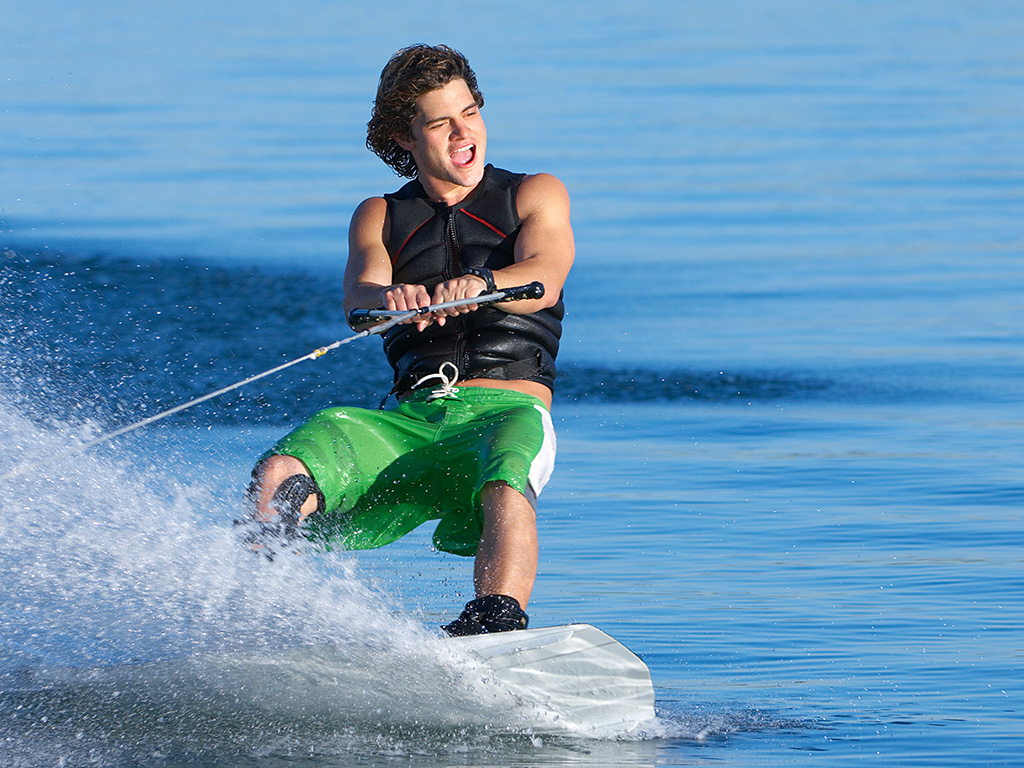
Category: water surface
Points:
column 788, row 409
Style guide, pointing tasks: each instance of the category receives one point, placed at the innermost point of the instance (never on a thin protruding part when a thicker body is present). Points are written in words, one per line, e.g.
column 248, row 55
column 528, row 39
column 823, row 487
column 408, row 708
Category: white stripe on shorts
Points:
column 544, row 462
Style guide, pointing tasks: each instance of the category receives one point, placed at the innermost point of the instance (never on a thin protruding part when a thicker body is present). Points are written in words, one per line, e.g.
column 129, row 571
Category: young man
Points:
column 470, row 442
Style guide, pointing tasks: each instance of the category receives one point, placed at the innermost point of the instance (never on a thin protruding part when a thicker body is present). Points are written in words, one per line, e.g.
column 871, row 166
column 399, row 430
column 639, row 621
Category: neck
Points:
column 445, row 192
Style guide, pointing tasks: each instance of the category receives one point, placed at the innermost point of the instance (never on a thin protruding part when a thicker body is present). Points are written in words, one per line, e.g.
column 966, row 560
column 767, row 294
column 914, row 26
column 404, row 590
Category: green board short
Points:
column 384, row 473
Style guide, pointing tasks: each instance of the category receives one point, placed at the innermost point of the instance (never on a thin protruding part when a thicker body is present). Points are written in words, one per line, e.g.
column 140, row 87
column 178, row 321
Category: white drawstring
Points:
column 447, row 388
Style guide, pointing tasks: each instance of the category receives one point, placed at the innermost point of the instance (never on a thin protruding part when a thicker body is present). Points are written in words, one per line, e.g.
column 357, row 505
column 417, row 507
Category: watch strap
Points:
column 484, row 274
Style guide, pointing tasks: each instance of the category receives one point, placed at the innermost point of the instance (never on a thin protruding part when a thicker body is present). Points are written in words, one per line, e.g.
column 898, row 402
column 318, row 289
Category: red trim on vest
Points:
column 402, row 246
column 485, row 223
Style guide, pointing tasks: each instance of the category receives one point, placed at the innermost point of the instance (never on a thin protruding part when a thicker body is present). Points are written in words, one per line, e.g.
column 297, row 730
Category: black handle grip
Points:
column 359, row 317
column 532, row 290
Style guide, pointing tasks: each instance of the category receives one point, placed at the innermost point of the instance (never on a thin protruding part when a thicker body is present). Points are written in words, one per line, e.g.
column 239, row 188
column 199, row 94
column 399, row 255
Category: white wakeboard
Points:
column 573, row 678
column 576, row 671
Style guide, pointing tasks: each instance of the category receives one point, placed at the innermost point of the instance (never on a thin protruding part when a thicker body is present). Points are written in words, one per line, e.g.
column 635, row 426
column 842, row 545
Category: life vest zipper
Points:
column 455, row 264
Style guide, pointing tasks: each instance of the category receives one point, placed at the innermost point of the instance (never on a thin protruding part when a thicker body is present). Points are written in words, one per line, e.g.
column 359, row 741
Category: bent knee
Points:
column 269, row 476
column 277, row 467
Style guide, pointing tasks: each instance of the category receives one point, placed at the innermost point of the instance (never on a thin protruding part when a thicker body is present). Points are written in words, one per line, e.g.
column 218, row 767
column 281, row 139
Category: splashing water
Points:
column 132, row 618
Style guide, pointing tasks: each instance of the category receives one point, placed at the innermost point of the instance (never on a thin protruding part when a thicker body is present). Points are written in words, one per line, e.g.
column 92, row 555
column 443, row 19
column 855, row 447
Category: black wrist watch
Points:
column 484, row 274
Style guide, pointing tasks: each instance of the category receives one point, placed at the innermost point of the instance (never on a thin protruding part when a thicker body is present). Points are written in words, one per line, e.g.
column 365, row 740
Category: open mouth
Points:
column 464, row 156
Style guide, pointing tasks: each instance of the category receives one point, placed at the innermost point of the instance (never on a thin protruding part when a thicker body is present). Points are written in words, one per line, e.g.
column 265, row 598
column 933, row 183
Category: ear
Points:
column 405, row 142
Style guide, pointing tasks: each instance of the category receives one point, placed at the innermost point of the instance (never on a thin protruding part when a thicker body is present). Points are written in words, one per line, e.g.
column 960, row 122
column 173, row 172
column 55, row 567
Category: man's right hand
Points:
column 403, row 297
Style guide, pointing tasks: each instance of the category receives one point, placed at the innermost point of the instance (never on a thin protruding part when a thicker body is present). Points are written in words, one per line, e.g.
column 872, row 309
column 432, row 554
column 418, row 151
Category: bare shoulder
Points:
column 372, row 210
column 541, row 192
column 369, row 223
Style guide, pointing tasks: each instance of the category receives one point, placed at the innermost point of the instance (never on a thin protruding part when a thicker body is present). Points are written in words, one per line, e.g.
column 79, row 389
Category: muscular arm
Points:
column 368, row 271
column 545, row 248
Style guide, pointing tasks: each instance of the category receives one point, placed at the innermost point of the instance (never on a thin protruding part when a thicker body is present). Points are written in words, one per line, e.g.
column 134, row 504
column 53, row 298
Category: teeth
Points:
column 463, row 154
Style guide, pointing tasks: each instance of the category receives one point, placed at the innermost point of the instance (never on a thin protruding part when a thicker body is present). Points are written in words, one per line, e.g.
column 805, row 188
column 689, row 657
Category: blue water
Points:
column 790, row 435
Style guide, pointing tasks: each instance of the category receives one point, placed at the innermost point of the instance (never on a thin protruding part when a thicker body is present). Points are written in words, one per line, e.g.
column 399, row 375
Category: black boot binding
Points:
column 267, row 537
column 490, row 613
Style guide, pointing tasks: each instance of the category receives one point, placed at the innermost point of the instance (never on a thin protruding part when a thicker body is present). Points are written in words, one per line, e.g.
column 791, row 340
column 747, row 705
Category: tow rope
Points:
column 383, row 320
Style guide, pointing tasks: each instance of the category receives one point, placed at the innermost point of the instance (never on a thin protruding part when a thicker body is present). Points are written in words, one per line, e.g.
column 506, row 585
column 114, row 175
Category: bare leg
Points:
column 506, row 560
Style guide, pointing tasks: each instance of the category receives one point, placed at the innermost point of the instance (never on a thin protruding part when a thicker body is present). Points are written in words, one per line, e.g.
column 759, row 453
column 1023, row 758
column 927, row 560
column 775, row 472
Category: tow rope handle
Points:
column 361, row 317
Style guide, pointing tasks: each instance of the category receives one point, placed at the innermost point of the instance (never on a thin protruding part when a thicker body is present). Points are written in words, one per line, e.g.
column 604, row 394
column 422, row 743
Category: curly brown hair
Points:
column 410, row 73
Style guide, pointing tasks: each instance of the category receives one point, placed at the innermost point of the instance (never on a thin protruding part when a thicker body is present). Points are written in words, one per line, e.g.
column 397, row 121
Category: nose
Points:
column 459, row 128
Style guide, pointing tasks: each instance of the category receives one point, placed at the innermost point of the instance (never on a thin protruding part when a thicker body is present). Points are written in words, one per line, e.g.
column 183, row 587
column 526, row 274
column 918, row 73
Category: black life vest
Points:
column 432, row 242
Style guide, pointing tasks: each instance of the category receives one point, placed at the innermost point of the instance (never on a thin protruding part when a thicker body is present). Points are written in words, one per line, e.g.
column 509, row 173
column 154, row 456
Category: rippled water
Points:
column 789, row 420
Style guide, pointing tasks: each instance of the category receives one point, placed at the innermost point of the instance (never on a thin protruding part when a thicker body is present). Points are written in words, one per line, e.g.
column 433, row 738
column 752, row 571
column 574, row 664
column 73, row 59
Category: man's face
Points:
column 448, row 142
